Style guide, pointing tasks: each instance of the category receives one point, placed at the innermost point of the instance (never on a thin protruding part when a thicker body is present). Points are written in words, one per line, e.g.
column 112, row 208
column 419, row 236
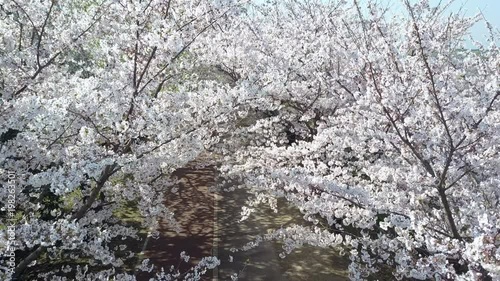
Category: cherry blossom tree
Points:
column 381, row 127
column 99, row 105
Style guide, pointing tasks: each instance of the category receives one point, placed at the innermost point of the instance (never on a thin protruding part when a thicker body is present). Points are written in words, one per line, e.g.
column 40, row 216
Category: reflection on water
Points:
column 210, row 226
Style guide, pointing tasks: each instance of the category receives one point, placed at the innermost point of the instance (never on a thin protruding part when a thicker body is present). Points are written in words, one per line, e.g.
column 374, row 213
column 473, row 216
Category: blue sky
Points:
column 489, row 8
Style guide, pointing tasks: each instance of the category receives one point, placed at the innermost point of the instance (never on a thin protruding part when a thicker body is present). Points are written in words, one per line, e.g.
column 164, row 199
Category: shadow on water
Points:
column 193, row 206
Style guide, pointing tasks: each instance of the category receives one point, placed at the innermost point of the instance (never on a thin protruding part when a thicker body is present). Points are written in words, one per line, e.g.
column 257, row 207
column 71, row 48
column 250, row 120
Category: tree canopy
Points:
column 381, row 128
